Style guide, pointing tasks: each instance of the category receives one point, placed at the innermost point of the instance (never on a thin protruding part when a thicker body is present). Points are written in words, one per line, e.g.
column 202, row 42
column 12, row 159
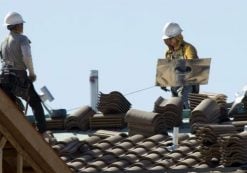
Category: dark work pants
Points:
column 35, row 103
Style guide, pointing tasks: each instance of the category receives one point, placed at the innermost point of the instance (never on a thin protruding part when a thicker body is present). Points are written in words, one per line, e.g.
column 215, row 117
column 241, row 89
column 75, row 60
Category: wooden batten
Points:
column 29, row 144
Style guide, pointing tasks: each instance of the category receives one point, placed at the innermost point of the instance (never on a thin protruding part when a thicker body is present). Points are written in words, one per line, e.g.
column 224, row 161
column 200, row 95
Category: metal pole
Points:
column 94, row 88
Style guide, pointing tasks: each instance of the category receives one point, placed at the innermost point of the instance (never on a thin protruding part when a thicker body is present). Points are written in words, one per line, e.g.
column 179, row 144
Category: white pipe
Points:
column 175, row 137
column 94, row 88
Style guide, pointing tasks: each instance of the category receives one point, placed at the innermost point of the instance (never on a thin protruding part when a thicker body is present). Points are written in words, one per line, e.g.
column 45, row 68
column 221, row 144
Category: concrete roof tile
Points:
column 164, row 163
column 156, row 138
column 113, row 139
column 147, row 145
column 116, row 151
column 108, row 158
column 120, row 164
column 103, row 145
column 93, row 153
column 134, row 139
column 144, row 164
column 75, row 165
column 139, row 153
column 124, row 145
column 90, row 169
column 151, row 157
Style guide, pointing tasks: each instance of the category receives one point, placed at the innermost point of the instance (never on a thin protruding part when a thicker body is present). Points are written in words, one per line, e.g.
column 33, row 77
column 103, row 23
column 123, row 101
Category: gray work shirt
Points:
column 12, row 57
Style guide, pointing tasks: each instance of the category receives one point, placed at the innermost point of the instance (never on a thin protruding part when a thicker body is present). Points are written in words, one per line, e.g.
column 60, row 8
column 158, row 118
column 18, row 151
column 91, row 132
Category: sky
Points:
column 122, row 40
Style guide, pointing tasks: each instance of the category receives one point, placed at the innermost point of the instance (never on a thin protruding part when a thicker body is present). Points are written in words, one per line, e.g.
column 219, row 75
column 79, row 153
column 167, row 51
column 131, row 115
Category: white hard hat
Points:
column 171, row 30
column 13, row 18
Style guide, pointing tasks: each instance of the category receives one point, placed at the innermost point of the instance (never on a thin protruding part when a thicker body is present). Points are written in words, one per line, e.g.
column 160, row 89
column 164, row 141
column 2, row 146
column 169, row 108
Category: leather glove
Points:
column 165, row 89
column 32, row 77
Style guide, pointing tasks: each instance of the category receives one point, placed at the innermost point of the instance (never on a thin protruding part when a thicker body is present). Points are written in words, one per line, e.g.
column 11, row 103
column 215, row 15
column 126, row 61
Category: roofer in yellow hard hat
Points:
column 179, row 49
column 16, row 61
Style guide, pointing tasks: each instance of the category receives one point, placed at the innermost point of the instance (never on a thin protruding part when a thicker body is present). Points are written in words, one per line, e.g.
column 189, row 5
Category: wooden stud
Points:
column 19, row 163
column 2, row 143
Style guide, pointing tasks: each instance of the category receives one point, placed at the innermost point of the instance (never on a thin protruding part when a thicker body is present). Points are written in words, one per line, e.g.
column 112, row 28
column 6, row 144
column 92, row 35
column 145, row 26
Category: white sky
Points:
column 122, row 39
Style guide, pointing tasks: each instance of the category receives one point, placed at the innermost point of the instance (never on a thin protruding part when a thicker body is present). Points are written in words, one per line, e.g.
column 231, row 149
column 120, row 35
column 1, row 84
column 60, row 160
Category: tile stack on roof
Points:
column 238, row 124
column 208, row 111
column 55, row 124
column 234, row 149
column 209, row 136
column 100, row 120
column 113, row 108
column 196, row 99
column 240, row 116
column 112, row 103
column 56, row 120
column 145, row 123
column 171, row 110
column 79, row 119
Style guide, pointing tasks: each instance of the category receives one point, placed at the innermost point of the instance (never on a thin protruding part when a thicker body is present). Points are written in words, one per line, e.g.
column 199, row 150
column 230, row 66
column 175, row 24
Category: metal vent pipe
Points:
column 94, row 86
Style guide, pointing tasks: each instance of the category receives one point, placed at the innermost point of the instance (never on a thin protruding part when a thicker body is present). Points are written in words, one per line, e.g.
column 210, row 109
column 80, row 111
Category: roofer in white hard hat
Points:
column 16, row 61
column 179, row 49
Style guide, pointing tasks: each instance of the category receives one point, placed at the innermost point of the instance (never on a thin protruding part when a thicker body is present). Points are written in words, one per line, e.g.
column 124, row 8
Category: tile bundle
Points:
column 79, row 119
column 171, row 110
column 145, row 123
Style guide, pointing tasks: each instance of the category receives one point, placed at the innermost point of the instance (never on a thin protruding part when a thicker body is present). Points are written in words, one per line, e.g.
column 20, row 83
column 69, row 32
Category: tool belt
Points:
column 16, row 81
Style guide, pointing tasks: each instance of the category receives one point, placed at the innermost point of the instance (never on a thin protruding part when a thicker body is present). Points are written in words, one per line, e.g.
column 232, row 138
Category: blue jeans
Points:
column 183, row 92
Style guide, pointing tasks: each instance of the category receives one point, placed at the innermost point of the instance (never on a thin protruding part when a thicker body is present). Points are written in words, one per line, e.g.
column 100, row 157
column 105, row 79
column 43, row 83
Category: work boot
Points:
column 49, row 137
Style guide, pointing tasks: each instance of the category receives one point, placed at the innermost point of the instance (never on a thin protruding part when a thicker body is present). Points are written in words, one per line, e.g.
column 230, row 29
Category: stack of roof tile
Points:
column 239, row 125
column 234, row 149
column 240, row 117
column 209, row 136
column 79, row 119
column 112, row 103
column 56, row 119
column 55, row 124
column 208, row 111
column 171, row 110
column 145, row 123
column 195, row 99
column 113, row 108
column 107, row 121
